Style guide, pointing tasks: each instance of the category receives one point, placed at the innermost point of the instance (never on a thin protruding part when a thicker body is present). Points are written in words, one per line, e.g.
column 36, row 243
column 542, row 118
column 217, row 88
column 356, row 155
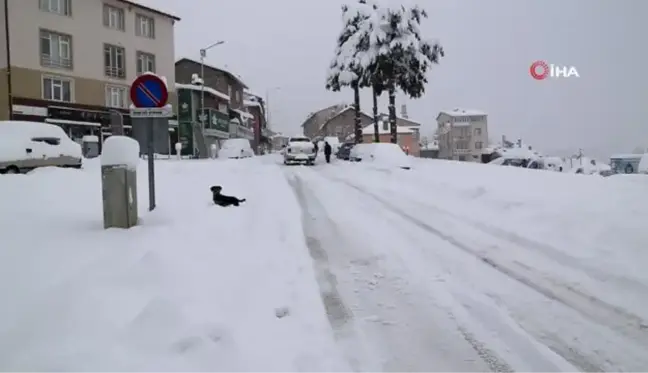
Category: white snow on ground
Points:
column 541, row 267
column 194, row 288
column 448, row 266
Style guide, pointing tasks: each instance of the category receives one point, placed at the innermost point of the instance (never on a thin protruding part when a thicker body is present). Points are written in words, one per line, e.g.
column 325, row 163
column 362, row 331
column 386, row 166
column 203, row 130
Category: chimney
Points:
column 404, row 111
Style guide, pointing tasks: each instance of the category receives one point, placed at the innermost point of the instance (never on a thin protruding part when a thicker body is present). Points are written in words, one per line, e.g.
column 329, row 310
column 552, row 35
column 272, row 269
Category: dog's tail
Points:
column 242, row 200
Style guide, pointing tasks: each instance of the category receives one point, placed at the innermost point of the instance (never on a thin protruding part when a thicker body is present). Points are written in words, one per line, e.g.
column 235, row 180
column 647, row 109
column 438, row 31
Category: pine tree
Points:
column 405, row 63
column 347, row 70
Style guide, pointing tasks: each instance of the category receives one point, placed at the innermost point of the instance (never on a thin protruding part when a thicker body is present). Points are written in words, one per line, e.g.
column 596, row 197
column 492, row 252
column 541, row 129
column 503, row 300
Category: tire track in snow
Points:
column 406, row 332
column 605, row 313
column 587, row 305
column 547, row 250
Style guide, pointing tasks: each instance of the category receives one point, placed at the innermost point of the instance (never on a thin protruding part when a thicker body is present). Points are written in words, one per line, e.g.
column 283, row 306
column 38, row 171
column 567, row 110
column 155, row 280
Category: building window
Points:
column 57, row 89
column 238, row 95
column 115, row 96
column 145, row 63
column 223, row 108
column 145, row 26
column 113, row 17
column 478, row 132
column 55, row 49
column 62, row 7
column 478, row 145
column 114, row 61
column 229, row 91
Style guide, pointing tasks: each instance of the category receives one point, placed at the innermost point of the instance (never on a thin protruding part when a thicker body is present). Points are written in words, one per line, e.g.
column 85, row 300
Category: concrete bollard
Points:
column 178, row 149
column 119, row 160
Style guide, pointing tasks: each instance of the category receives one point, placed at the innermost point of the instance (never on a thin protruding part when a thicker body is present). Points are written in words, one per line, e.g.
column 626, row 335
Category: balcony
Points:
column 462, row 151
column 57, row 62
column 115, row 72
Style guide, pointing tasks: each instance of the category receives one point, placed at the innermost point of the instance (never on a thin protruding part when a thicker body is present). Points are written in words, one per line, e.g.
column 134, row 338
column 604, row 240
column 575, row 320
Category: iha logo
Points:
column 540, row 70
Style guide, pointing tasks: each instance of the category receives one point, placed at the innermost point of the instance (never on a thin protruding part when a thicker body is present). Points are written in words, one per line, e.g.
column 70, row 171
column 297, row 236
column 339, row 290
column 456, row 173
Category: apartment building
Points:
column 71, row 62
column 225, row 114
column 462, row 134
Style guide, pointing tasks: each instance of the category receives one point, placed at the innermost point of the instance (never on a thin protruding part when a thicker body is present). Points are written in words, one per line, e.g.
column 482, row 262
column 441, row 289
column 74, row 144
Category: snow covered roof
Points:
column 323, row 114
column 219, row 68
column 369, row 130
column 251, row 103
column 458, row 112
column 199, row 88
column 244, row 114
column 340, row 112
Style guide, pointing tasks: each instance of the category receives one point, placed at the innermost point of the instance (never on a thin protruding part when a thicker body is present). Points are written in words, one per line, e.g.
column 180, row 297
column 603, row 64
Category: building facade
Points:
column 255, row 105
column 71, row 62
column 339, row 121
column 407, row 138
column 313, row 125
column 225, row 113
column 462, row 134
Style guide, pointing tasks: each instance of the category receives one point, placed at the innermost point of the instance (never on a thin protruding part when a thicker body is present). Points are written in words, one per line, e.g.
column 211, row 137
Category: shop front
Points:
column 75, row 119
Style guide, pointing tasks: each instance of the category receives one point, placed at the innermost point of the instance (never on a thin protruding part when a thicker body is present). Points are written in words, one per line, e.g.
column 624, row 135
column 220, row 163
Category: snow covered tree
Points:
column 401, row 56
column 348, row 66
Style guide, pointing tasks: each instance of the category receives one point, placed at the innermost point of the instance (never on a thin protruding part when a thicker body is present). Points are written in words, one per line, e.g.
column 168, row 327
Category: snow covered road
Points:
column 428, row 287
column 446, row 267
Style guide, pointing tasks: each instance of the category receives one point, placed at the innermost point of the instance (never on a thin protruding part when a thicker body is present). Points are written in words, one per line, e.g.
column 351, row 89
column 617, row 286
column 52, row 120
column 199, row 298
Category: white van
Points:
column 25, row 146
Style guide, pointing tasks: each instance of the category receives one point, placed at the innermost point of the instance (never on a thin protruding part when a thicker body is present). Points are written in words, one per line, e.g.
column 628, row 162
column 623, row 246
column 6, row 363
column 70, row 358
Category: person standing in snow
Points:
column 316, row 147
column 327, row 152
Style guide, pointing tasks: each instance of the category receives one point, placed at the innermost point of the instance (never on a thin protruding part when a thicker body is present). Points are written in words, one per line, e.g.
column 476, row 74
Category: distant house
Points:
column 407, row 137
column 462, row 134
column 339, row 121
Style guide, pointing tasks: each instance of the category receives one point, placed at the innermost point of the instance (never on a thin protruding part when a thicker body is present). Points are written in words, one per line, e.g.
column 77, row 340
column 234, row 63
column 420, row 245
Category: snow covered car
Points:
column 25, row 146
column 381, row 154
column 235, row 149
column 300, row 150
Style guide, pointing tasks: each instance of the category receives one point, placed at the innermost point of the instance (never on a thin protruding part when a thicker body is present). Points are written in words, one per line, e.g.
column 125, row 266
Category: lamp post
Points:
column 268, row 104
column 203, row 54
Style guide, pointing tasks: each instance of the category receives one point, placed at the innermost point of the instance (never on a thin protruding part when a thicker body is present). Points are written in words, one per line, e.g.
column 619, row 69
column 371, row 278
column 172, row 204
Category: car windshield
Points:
column 299, row 139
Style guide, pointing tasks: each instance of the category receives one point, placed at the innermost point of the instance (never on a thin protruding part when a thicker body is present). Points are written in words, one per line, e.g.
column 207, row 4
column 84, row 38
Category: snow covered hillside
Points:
column 195, row 287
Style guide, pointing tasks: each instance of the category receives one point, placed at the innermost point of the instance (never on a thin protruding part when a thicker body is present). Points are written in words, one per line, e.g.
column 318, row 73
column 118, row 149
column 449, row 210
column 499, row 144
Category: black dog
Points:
column 223, row 200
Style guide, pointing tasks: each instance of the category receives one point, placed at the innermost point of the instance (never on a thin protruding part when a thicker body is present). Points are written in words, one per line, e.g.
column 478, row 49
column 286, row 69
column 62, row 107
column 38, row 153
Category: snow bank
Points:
column 195, row 287
column 643, row 164
column 120, row 151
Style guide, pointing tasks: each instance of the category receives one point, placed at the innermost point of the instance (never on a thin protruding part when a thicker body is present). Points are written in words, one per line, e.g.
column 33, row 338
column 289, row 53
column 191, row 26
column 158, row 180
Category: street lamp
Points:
column 203, row 54
column 268, row 104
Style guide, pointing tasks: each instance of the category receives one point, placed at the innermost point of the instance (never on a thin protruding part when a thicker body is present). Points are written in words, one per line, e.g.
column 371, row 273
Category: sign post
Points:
column 149, row 96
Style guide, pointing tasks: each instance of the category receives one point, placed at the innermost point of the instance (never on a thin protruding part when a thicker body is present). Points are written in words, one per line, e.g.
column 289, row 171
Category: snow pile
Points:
column 381, row 155
column 643, row 164
column 195, row 287
column 120, row 151
column 197, row 80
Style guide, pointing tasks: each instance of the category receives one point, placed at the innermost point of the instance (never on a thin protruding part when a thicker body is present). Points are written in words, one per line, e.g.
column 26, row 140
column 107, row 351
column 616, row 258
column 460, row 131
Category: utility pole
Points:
column 203, row 54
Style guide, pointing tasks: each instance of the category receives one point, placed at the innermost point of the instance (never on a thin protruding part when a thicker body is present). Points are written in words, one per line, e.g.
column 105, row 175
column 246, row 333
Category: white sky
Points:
column 285, row 46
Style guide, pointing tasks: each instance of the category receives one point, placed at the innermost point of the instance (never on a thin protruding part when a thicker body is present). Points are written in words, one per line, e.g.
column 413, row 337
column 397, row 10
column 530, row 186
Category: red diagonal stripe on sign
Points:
column 149, row 94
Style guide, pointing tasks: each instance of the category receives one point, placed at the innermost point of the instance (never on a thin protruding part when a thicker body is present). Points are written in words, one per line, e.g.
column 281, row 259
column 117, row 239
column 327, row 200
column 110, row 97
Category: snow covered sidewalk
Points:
column 196, row 287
